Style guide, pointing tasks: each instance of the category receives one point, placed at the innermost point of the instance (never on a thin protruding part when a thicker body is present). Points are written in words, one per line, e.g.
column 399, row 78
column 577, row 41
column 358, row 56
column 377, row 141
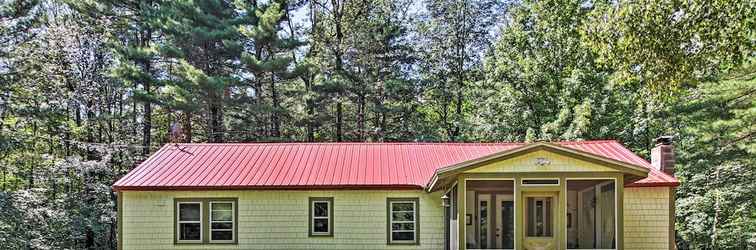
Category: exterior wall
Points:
column 527, row 163
column 279, row 219
column 648, row 212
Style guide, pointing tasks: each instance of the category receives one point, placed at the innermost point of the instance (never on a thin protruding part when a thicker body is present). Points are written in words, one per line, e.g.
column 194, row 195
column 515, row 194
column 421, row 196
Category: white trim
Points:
column 616, row 207
column 413, row 221
column 233, row 223
column 327, row 217
column 179, row 222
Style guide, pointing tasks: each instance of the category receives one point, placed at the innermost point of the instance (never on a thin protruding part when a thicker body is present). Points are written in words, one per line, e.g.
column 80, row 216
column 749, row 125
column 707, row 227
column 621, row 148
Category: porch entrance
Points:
column 491, row 215
column 539, row 223
column 495, row 225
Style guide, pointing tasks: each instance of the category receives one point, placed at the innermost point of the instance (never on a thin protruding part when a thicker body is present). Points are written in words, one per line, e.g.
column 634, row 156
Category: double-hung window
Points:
column 321, row 216
column 221, row 221
column 189, row 225
column 205, row 220
column 403, row 220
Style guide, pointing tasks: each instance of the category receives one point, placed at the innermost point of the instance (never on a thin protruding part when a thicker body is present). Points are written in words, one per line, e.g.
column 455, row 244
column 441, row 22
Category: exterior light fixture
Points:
column 445, row 201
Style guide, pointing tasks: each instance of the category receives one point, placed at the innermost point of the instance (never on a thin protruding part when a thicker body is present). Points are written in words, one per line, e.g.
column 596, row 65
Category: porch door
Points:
column 495, row 225
column 539, row 222
column 505, row 222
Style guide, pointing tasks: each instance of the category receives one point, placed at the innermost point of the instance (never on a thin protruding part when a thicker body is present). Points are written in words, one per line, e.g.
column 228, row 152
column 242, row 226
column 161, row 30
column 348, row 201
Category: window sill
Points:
column 206, row 243
column 321, row 235
column 403, row 243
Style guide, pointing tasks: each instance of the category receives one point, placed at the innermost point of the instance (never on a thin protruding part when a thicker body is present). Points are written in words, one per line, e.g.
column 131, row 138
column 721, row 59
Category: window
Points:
column 403, row 220
column 540, row 182
column 203, row 220
column 189, row 221
column 221, row 221
column 539, row 217
column 321, row 216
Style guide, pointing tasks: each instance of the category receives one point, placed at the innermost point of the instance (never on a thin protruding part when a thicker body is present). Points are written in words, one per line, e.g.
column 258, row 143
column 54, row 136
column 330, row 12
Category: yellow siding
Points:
column 527, row 163
column 278, row 219
column 647, row 215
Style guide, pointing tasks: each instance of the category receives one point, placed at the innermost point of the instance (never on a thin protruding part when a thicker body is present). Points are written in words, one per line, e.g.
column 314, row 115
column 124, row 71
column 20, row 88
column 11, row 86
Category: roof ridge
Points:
column 389, row 143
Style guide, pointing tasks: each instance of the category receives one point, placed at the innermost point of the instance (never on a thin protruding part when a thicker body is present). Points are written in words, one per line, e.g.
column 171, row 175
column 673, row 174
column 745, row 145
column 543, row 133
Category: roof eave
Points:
column 439, row 173
column 277, row 187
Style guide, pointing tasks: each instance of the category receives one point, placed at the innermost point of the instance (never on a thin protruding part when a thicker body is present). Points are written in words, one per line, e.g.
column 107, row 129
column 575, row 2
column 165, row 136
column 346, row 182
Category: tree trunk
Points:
column 188, row 126
column 339, row 115
column 275, row 120
column 147, row 68
column 216, row 121
column 337, row 12
column 361, row 117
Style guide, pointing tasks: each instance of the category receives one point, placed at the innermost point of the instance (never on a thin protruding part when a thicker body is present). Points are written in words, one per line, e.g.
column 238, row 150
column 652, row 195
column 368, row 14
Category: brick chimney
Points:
column 663, row 155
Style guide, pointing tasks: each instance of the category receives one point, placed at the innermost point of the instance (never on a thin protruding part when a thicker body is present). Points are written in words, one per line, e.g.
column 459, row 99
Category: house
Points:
column 565, row 195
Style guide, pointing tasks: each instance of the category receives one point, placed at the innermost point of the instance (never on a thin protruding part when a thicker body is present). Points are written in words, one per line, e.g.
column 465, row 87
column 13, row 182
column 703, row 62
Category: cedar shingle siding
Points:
column 279, row 219
column 647, row 215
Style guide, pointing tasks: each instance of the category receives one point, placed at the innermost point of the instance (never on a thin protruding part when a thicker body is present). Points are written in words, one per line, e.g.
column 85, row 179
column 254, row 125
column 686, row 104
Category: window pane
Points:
column 403, row 216
column 320, row 225
column 539, row 218
column 408, row 206
column 189, row 212
column 321, row 209
column 222, row 235
column 483, row 224
column 222, row 225
column 222, row 206
column 402, row 236
column 403, row 226
column 223, row 215
column 189, row 231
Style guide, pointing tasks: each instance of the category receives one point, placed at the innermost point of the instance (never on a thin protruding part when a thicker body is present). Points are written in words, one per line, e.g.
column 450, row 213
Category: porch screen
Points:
column 591, row 214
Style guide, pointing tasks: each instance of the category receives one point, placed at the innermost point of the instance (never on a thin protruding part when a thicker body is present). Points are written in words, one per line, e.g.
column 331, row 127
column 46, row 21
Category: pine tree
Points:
column 269, row 61
column 454, row 36
column 203, row 41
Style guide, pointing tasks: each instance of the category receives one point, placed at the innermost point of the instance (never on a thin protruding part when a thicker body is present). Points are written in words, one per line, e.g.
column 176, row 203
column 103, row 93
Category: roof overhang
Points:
column 274, row 187
column 442, row 175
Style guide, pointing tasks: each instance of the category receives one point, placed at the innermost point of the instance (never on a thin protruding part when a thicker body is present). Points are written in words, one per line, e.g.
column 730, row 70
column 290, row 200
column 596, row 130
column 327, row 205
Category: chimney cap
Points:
column 665, row 140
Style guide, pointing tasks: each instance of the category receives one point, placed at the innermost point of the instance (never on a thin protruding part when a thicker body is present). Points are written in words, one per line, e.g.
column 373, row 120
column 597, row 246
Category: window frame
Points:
column 205, row 225
column 210, row 222
column 525, row 182
column 389, row 221
column 311, row 220
column 179, row 222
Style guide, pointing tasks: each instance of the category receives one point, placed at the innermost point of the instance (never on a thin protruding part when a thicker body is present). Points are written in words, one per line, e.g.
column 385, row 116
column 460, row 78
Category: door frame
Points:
column 515, row 197
column 618, row 205
column 555, row 216
column 493, row 216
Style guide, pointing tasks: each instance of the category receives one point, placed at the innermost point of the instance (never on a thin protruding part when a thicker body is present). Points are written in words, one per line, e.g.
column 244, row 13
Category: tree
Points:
column 715, row 201
column 203, row 40
column 269, row 60
column 667, row 46
column 455, row 35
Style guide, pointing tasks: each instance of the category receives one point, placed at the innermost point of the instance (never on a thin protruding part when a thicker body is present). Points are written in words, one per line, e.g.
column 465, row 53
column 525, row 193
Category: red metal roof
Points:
column 330, row 165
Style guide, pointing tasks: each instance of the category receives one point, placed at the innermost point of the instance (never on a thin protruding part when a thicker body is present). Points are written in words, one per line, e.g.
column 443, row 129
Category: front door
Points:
column 495, row 224
column 504, row 222
column 539, row 222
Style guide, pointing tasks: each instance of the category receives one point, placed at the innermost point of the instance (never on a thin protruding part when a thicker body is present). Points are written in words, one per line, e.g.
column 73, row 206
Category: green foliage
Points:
column 89, row 88
column 670, row 45
column 717, row 198
column 542, row 83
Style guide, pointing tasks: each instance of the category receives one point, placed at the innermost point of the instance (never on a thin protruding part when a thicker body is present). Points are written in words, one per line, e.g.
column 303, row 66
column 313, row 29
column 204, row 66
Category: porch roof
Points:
column 334, row 165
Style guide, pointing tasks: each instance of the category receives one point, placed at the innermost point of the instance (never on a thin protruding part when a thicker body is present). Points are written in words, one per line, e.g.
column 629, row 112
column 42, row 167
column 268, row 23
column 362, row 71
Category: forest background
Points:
column 88, row 89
